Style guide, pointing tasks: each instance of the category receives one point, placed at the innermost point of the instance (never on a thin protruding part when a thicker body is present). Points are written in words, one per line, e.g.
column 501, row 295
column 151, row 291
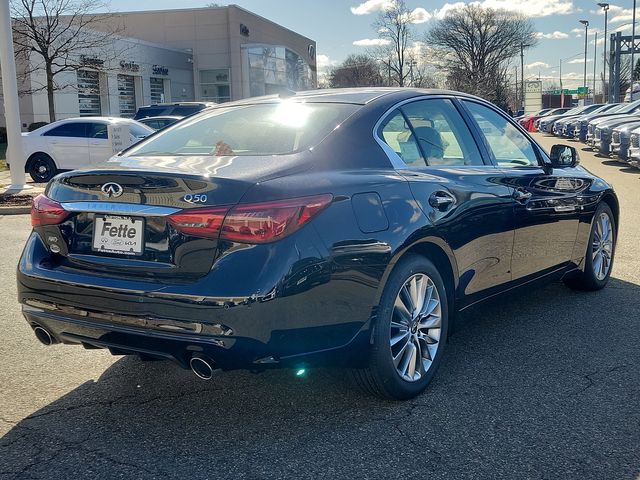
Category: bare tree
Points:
column 356, row 71
column 63, row 34
column 395, row 27
column 477, row 44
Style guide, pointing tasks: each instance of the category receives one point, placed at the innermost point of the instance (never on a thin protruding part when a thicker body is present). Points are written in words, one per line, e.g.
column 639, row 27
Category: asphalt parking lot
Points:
column 542, row 384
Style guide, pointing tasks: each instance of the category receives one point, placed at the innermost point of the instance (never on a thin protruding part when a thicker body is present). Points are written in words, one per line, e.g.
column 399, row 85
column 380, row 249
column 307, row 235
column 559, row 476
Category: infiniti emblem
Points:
column 112, row 189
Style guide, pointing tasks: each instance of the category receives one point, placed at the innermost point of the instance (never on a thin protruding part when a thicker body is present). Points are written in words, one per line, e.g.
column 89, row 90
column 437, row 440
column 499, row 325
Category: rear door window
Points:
column 430, row 133
column 98, row 130
column 71, row 129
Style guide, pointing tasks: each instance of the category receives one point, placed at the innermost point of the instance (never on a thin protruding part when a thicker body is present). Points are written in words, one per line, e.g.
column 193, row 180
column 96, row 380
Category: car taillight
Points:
column 45, row 211
column 250, row 223
column 199, row 222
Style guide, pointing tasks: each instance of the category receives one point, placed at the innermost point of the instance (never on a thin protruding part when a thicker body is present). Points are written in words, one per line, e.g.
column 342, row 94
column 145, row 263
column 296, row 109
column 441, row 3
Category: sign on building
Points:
column 532, row 96
column 119, row 137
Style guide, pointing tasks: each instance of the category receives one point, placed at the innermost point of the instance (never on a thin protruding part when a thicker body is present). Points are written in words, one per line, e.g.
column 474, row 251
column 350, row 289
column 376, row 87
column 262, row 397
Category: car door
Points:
column 99, row 146
column 545, row 201
column 68, row 145
column 458, row 191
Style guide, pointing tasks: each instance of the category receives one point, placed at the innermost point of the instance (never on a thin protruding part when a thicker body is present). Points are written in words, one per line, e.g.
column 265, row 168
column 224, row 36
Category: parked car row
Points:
column 611, row 129
column 83, row 142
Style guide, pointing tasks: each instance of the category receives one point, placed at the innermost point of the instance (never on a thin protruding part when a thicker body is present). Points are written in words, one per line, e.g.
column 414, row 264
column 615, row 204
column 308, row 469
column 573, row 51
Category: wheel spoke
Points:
column 416, row 322
column 432, row 321
column 400, row 309
column 399, row 337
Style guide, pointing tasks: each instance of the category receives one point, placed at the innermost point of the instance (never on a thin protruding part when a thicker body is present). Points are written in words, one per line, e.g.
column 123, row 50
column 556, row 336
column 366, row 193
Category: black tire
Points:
column 380, row 377
column 41, row 168
column 587, row 279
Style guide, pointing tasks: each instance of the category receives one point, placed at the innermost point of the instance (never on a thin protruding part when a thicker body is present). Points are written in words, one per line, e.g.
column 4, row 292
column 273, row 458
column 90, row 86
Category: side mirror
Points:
column 563, row 156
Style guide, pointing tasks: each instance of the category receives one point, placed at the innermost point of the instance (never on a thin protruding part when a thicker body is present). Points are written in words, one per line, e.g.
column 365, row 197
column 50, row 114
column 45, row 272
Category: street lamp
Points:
column 605, row 7
column 633, row 50
column 586, row 32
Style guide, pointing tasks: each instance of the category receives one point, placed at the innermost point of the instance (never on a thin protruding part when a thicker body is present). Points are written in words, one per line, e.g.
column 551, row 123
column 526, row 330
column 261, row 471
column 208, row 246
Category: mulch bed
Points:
column 8, row 200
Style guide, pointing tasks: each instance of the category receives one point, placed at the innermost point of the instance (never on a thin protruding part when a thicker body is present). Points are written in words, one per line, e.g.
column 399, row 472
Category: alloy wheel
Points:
column 415, row 327
column 602, row 246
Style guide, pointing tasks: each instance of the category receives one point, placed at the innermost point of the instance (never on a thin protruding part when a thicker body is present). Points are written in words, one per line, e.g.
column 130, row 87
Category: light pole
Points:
column 605, row 7
column 586, row 32
column 15, row 150
column 633, row 49
column 595, row 60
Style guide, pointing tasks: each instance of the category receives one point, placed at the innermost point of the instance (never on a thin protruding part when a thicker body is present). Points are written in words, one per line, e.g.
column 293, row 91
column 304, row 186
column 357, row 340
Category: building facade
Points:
column 214, row 54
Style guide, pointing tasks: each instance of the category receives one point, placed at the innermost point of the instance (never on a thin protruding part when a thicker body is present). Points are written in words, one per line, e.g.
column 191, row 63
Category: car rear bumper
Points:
column 305, row 312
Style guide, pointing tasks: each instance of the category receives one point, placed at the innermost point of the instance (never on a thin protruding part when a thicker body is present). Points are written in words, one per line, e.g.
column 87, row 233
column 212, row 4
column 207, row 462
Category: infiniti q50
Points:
column 336, row 227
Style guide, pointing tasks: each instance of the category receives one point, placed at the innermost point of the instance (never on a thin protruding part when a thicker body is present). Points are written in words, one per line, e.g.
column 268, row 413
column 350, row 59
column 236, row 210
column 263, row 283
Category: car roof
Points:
column 94, row 119
column 160, row 117
column 177, row 104
column 357, row 96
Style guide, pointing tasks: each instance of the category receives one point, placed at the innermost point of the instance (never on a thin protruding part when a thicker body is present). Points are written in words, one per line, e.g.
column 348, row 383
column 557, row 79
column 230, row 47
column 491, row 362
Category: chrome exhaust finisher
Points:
column 43, row 335
column 203, row 367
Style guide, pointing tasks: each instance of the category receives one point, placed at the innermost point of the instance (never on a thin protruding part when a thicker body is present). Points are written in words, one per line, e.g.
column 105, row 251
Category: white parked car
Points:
column 73, row 143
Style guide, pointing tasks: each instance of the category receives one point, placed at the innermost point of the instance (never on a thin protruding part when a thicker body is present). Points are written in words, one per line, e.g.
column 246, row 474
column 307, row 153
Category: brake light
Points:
column 45, row 211
column 250, row 223
column 199, row 222
column 270, row 221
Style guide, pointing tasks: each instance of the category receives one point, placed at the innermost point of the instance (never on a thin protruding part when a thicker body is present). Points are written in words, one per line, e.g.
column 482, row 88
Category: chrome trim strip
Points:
column 120, row 208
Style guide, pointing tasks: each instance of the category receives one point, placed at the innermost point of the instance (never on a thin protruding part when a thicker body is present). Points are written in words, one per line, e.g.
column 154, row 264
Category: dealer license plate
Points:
column 116, row 234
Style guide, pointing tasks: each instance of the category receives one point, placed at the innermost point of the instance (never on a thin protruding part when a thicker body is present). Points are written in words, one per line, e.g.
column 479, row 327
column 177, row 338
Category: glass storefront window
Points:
column 215, row 85
column 275, row 68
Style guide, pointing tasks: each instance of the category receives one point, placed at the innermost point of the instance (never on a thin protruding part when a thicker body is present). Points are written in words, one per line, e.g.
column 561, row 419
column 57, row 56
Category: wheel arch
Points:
column 437, row 251
column 610, row 199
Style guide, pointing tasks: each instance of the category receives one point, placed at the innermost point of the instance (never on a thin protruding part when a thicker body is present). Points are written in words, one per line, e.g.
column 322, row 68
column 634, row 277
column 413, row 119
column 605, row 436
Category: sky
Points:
column 341, row 27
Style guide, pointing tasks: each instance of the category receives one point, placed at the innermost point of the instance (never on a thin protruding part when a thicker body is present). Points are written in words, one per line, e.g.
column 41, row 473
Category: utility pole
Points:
column 633, row 49
column 586, row 34
column 522, row 74
column 516, row 89
column 595, row 60
column 605, row 7
column 15, row 149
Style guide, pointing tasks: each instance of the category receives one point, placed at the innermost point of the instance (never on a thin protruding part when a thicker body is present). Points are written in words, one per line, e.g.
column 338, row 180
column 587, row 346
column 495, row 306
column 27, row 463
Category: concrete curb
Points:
column 15, row 210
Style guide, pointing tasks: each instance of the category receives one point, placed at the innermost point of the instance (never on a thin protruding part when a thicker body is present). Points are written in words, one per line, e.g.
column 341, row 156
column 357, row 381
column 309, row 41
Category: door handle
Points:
column 521, row 196
column 441, row 200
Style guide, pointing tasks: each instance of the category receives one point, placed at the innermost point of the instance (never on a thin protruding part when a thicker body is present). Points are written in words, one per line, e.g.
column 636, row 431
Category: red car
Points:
column 528, row 121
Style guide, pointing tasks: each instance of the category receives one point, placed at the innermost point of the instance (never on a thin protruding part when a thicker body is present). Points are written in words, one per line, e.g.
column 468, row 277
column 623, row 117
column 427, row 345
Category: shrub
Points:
column 35, row 125
column 3, row 135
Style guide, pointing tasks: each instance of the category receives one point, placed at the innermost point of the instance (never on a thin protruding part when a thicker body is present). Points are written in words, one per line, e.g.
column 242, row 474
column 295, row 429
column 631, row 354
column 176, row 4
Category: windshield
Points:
column 263, row 129
column 629, row 107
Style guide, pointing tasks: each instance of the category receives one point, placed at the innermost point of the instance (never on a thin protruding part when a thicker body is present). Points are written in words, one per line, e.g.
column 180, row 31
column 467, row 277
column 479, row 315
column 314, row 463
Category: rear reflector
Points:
column 45, row 211
column 250, row 223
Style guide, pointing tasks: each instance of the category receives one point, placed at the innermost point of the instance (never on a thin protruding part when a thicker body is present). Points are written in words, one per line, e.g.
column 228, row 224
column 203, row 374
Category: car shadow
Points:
column 537, row 384
column 622, row 166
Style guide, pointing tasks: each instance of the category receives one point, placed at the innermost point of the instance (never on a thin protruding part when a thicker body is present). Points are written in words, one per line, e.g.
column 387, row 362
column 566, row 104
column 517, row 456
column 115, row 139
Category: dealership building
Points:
column 213, row 54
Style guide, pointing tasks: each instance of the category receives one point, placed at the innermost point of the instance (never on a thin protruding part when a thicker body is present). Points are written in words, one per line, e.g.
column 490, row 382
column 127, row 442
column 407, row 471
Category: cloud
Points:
column 554, row 36
column 420, row 15
column 371, row 6
column 529, row 8
column 536, row 65
column 447, row 8
column 371, row 42
column 579, row 60
column 323, row 62
column 616, row 13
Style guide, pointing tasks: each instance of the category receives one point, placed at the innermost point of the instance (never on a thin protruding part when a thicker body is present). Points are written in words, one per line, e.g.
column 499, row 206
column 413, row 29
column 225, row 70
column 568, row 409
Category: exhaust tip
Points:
column 202, row 367
column 43, row 335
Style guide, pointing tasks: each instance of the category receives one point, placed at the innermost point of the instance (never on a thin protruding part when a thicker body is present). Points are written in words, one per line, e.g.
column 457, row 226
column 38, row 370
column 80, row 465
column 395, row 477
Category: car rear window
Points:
column 144, row 112
column 185, row 110
column 265, row 129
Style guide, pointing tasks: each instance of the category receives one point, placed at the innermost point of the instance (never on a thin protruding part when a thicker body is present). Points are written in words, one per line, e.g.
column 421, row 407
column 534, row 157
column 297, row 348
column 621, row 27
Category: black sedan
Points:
column 336, row 227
